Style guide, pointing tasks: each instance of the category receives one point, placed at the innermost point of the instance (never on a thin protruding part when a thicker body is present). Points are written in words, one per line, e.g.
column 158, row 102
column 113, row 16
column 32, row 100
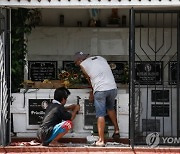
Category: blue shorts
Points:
column 103, row 101
column 60, row 128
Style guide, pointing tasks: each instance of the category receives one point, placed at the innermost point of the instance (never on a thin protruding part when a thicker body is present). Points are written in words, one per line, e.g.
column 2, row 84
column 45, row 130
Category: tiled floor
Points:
column 81, row 147
column 86, row 150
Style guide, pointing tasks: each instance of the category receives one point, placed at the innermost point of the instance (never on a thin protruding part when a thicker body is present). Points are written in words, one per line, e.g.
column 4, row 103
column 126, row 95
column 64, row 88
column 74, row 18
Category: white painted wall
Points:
column 50, row 17
column 167, row 123
column 19, row 109
column 60, row 43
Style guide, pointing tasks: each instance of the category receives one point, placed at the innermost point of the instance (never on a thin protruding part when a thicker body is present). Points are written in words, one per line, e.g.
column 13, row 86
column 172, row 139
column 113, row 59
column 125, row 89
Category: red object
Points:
column 67, row 125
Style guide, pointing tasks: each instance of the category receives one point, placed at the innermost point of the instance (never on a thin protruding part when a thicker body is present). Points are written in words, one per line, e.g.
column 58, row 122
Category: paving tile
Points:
column 81, row 147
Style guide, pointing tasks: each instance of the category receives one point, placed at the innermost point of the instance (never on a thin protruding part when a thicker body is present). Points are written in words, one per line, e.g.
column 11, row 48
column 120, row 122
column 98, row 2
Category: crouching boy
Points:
column 57, row 121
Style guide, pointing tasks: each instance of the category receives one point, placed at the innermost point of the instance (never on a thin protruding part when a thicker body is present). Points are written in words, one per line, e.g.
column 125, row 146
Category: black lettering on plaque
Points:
column 41, row 70
column 90, row 114
column 36, row 110
column 173, row 72
column 120, row 71
column 160, row 110
column 148, row 72
column 160, row 95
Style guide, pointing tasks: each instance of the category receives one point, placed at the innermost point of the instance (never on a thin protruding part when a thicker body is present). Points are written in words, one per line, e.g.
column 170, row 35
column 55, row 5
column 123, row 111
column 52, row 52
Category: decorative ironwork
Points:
column 2, row 28
column 4, row 81
column 158, row 104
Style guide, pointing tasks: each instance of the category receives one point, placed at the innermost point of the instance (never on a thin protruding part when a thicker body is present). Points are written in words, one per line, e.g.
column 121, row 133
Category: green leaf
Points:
column 23, row 20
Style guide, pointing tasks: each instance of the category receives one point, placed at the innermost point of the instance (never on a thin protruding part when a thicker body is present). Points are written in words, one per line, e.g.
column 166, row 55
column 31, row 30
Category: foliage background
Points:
column 23, row 20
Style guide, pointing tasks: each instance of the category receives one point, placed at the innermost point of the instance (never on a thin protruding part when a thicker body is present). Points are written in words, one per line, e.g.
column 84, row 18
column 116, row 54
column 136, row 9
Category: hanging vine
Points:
column 23, row 21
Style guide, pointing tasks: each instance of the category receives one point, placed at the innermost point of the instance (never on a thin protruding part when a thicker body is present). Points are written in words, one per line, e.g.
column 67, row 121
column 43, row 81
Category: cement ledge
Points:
column 39, row 149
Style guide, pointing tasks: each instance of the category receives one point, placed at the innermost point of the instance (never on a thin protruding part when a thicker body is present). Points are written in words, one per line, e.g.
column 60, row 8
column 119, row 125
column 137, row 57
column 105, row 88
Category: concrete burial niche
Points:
column 28, row 109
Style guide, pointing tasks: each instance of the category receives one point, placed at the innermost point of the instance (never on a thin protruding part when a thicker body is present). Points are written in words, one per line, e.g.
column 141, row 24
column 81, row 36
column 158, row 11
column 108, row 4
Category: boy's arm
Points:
column 70, row 107
column 74, row 111
column 69, row 115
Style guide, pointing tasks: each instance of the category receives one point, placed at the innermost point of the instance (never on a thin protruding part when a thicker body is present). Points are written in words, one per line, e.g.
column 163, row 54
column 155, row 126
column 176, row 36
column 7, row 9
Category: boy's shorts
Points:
column 103, row 101
column 60, row 128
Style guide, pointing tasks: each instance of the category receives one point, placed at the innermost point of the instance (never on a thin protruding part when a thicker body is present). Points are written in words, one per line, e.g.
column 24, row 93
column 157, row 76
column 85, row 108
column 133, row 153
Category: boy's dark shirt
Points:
column 54, row 114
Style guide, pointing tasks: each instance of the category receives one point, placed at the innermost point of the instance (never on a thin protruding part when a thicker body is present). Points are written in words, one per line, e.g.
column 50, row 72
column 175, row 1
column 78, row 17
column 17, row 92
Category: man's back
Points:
column 99, row 72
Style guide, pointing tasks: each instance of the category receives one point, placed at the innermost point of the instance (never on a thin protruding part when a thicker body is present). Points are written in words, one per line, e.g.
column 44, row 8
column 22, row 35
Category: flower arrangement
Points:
column 71, row 77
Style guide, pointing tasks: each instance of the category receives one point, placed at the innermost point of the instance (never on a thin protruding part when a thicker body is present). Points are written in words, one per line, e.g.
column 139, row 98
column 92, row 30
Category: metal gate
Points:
column 4, row 77
column 154, row 77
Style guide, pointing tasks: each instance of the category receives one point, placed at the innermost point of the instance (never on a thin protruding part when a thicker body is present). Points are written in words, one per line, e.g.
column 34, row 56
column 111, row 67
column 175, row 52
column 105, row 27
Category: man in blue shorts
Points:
column 57, row 121
column 104, row 90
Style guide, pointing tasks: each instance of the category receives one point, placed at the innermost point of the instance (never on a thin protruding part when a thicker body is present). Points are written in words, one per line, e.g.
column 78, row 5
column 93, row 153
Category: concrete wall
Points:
column 60, row 43
column 51, row 17
column 20, row 111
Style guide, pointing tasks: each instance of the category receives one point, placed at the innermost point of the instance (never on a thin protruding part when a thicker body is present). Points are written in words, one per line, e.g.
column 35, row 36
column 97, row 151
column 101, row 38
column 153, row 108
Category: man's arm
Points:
column 86, row 75
column 91, row 96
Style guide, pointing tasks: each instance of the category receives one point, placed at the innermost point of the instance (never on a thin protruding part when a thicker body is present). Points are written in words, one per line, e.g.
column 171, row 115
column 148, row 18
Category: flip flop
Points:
column 34, row 142
column 116, row 136
column 97, row 145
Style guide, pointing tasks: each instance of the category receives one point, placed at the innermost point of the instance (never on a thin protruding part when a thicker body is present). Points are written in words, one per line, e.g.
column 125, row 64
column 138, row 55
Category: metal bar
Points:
column 141, row 43
column 2, row 115
column 149, row 36
column 2, row 122
column 1, row 64
column 7, row 73
column 156, row 41
column 146, row 108
column 5, row 78
column 155, row 48
column 139, row 109
column 163, row 111
column 147, row 86
column 170, row 42
column 171, row 79
column 178, row 75
column 171, row 111
column 132, row 74
column 156, row 11
column 1, row 139
column 138, row 57
column 162, row 37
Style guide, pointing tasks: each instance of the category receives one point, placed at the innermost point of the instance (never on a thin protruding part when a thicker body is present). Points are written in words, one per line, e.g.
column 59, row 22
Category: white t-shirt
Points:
column 100, row 73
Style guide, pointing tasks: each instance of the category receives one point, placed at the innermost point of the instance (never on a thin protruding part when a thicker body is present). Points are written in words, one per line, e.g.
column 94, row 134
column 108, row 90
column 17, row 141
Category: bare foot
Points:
column 99, row 144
